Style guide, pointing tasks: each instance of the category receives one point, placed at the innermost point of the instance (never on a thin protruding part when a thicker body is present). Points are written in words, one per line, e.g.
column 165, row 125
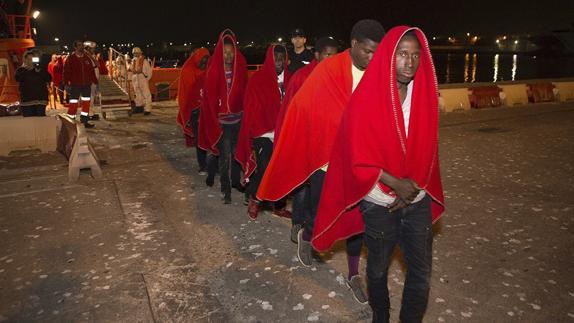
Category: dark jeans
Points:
column 229, row 169
column 411, row 229
column 354, row 245
column 263, row 148
column 201, row 154
column 37, row 110
column 212, row 165
column 301, row 205
column 315, row 188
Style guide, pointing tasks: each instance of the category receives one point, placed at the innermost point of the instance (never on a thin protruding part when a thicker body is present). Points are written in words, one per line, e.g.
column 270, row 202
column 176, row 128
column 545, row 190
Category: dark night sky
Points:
column 200, row 20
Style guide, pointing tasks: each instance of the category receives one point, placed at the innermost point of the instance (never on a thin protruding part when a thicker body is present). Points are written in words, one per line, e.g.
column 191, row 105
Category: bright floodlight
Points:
column 36, row 14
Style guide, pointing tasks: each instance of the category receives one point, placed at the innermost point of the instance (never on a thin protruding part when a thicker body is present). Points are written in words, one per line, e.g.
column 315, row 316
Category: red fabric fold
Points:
column 217, row 101
column 191, row 80
column 372, row 138
column 261, row 106
column 295, row 83
column 308, row 131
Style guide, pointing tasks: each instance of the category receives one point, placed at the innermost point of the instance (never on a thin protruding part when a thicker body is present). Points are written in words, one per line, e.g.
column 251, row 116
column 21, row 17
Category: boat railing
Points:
column 18, row 26
column 119, row 70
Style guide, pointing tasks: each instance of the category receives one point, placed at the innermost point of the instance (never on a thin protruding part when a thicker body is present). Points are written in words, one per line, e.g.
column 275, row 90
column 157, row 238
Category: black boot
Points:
column 84, row 120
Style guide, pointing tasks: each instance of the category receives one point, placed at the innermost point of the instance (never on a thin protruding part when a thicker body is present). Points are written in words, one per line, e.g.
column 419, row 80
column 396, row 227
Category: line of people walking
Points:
column 350, row 137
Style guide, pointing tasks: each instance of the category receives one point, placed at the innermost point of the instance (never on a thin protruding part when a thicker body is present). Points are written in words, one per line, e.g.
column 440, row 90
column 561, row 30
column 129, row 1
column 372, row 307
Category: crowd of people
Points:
column 350, row 136
column 73, row 80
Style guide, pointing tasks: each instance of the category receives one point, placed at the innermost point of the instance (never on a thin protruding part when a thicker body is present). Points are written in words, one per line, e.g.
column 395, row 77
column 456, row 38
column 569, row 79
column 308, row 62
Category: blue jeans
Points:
column 411, row 229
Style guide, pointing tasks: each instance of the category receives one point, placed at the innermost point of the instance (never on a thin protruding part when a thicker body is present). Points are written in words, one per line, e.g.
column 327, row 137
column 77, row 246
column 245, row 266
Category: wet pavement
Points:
column 149, row 242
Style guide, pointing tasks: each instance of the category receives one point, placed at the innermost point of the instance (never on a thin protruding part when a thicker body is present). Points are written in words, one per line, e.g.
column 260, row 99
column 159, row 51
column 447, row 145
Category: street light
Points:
column 279, row 39
column 36, row 14
column 56, row 39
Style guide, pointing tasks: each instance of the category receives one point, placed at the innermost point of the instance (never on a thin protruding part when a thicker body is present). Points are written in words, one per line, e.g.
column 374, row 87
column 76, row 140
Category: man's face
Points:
column 54, row 57
column 407, row 57
column 298, row 41
column 28, row 60
column 137, row 54
column 326, row 52
column 203, row 62
column 228, row 54
column 79, row 46
column 279, row 62
column 362, row 52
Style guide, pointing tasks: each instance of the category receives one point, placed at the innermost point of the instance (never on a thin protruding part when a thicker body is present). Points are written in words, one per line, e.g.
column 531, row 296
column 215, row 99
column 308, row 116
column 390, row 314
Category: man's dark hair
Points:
column 411, row 34
column 367, row 29
column 228, row 41
column 279, row 49
column 325, row 42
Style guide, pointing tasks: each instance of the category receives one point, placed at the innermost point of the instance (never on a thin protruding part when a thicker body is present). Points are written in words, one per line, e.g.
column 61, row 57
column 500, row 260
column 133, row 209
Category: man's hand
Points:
column 397, row 205
column 406, row 189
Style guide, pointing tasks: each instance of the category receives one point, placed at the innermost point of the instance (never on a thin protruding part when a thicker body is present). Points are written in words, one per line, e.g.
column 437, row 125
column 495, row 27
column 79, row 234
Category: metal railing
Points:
column 119, row 71
column 19, row 26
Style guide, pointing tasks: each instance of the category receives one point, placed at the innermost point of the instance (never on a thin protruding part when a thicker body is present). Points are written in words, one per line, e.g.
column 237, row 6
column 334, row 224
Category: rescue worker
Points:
column 142, row 71
column 79, row 75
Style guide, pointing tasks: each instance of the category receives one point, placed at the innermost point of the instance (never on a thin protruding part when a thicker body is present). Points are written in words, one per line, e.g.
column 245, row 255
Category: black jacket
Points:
column 33, row 84
column 296, row 61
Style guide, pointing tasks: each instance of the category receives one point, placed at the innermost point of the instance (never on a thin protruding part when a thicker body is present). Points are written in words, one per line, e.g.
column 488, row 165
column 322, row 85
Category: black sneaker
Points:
column 295, row 231
column 84, row 120
column 304, row 250
column 356, row 286
column 209, row 181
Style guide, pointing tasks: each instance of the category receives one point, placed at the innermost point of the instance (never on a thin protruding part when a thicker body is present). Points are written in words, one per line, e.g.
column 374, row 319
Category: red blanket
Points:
column 294, row 85
column 217, row 100
column 309, row 128
column 190, row 86
column 261, row 105
column 372, row 138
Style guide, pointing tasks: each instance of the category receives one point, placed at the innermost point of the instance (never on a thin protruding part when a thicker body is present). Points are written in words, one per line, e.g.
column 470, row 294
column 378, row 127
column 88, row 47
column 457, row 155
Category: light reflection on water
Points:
column 470, row 68
column 495, row 68
column 514, row 66
column 474, row 60
column 491, row 67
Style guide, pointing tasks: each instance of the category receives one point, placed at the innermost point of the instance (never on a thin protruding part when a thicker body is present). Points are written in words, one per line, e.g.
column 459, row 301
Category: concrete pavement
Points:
column 149, row 242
